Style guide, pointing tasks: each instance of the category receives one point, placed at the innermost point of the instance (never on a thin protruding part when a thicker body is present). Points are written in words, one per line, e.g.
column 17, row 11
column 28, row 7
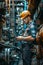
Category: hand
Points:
column 19, row 38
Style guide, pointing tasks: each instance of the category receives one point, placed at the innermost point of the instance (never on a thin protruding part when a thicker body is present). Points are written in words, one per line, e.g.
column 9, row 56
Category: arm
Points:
column 28, row 38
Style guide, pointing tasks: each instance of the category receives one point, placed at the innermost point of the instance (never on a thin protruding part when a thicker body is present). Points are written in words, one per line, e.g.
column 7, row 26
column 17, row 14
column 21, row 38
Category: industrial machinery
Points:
column 10, row 26
column 9, row 54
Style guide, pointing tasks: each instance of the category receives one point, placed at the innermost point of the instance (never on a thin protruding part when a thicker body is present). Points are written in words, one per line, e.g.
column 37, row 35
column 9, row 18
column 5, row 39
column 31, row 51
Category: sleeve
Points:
column 33, row 30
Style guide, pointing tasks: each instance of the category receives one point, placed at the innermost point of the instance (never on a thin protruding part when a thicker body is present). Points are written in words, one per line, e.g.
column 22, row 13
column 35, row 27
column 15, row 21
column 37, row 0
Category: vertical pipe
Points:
column 25, row 4
column 13, row 15
column 25, row 8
